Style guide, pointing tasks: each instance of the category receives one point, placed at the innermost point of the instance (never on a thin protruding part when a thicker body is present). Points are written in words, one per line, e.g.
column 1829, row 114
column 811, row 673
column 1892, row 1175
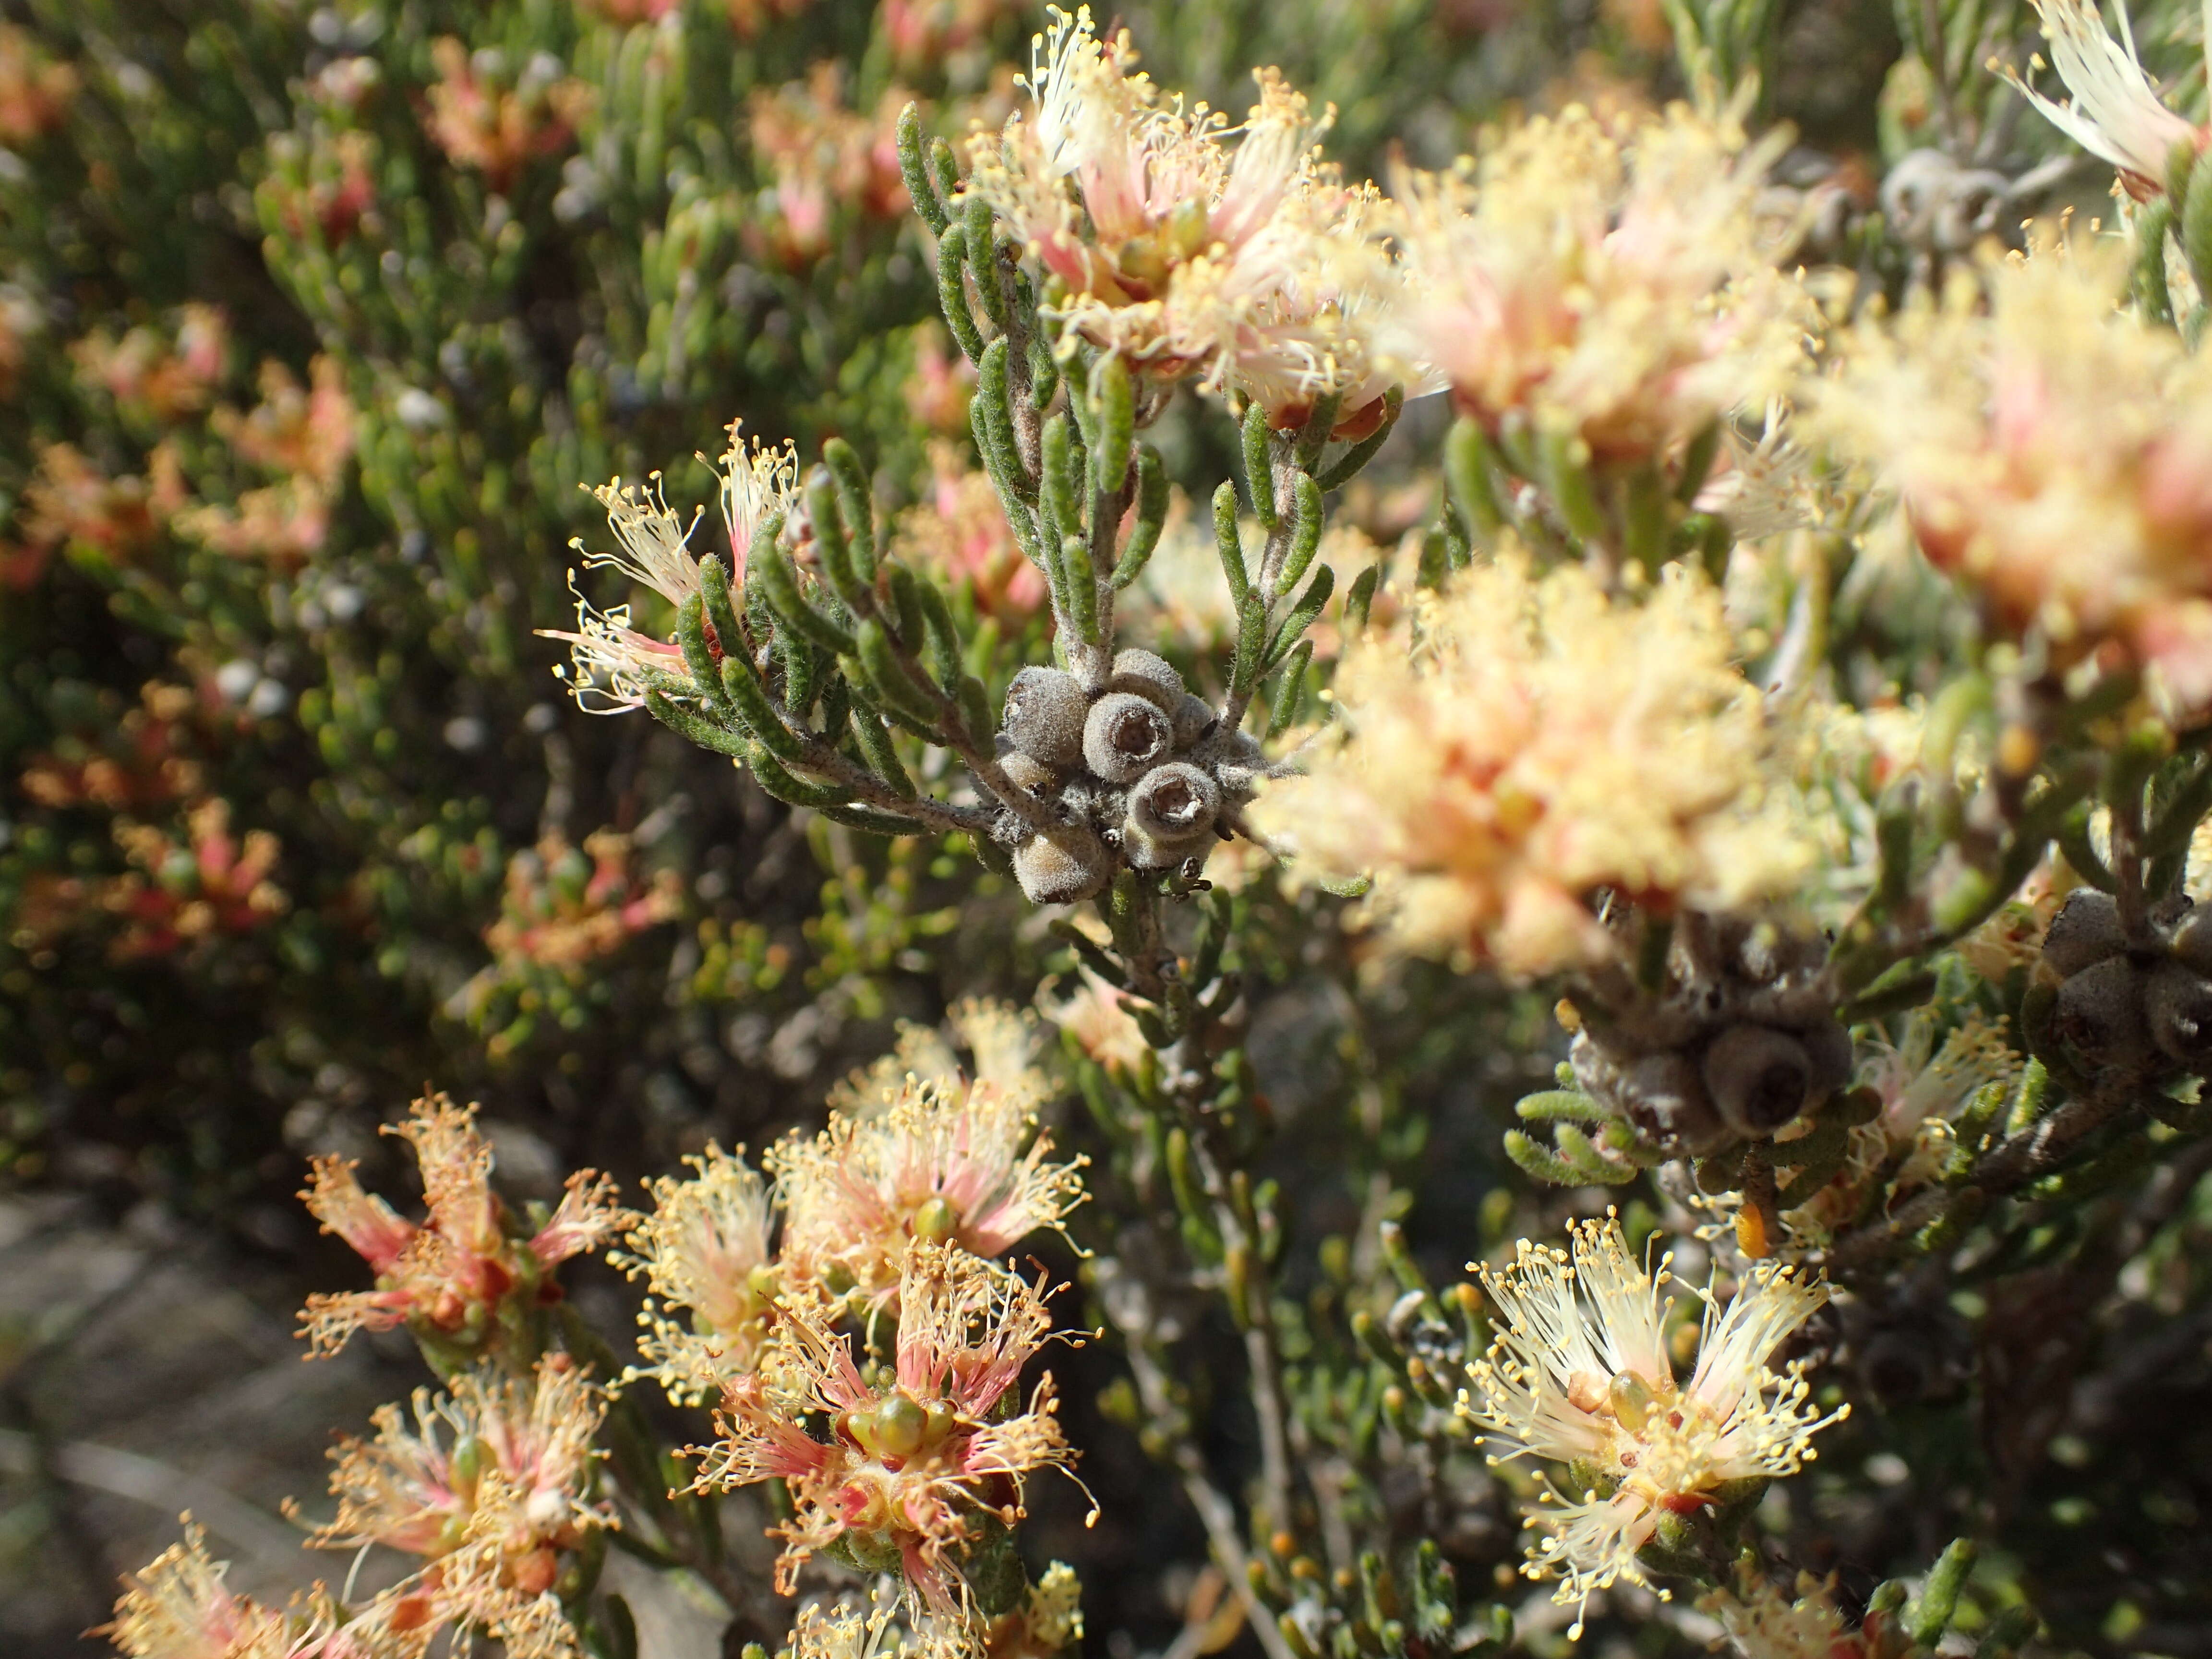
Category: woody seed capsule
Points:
column 1044, row 714
column 1758, row 1077
column 2085, row 930
column 1147, row 675
column 1062, row 864
column 1125, row 736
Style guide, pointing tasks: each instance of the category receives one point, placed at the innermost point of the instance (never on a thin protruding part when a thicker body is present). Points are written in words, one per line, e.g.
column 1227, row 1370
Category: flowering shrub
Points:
column 1271, row 796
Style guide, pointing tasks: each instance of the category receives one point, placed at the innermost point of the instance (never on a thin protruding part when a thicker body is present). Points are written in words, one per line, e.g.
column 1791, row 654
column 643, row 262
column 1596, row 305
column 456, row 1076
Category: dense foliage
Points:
column 1215, row 743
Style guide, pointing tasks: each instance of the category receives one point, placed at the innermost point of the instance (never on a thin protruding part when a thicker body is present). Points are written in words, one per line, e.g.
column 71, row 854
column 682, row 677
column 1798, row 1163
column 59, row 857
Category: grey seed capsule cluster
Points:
column 1742, row 1042
column 1141, row 773
column 2143, row 1003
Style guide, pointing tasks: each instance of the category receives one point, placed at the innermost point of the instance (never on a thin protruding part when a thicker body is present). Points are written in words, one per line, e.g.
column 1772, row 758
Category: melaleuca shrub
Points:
column 1579, row 776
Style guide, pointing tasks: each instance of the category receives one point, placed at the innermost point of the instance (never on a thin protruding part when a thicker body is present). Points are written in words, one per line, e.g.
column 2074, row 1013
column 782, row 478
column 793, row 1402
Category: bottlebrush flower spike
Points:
column 703, row 1252
column 1579, row 1374
column 937, row 1164
column 455, row 1276
column 2115, row 113
column 919, row 1467
column 490, row 1485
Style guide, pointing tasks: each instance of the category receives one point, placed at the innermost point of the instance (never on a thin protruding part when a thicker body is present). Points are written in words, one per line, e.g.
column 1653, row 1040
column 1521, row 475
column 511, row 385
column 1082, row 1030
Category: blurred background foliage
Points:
column 312, row 317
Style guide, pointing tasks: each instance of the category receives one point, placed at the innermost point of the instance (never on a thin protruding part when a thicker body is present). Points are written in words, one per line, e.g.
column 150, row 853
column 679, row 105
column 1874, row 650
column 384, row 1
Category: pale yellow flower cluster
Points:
column 489, row 1485
column 1523, row 743
column 1580, row 1373
column 2053, row 450
column 178, row 1607
column 1187, row 245
column 920, row 1147
column 1606, row 282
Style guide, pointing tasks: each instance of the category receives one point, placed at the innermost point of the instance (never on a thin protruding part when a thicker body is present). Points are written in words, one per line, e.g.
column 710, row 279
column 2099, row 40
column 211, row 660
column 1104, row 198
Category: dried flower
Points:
column 1579, row 1374
column 2115, row 113
column 154, row 374
column 825, row 156
column 35, row 90
column 961, row 532
column 466, row 1270
column 2053, row 451
column 1607, row 283
column 704, row 1252
column 178, row 1607
column 490, row 1485
column 1528, row 741
column 920, row 1468
column 935, row 1164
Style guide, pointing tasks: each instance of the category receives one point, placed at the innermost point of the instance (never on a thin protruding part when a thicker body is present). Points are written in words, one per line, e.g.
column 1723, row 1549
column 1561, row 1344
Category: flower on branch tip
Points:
column 1247, row 262
column 2053, row 452
column 1001, row 1044
column 920, row 1468
column 467, row 1272
column 703, row 1252
column 2115, row 113
column 936, row 1163
column 178, row 1607
column 1520, row 742
column 1609, row 283
column 1578, row 1374
column 491, row 1486
column 613, row 664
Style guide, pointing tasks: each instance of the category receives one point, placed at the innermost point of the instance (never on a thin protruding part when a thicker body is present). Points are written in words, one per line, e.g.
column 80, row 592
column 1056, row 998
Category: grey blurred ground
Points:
column 143, row 1371
column 146, row 1369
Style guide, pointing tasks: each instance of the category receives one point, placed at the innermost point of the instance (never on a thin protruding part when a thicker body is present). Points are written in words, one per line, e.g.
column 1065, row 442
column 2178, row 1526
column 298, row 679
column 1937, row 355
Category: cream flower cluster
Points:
column 489, row 1485
column 1607, row 277
column 1523, row 741
column 1579, row 1374
column 613, row 662
column 2053, row 450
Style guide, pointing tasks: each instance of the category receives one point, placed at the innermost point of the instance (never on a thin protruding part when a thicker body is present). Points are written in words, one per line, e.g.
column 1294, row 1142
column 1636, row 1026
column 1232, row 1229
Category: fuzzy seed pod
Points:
column 2178, row 1004
column 2099, row 1012
column 1030, row 773
column 1828, row 1046
column 1170, row 816
column 1147, row 675
column 1193, row 718
column 1668, row 1101
column 1125, row 736
column 2192, row 939
column 1758, row 1077
column 1145, row 851
column 1044, row 715
column 1173, row 802
column 2085, row 930
column 1062, row 865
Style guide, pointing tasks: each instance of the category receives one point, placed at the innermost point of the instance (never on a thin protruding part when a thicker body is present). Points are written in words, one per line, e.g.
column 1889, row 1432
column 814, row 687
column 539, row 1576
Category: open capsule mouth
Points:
column 1133, row 735
column 1775, row 1094
column 1177, row 805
